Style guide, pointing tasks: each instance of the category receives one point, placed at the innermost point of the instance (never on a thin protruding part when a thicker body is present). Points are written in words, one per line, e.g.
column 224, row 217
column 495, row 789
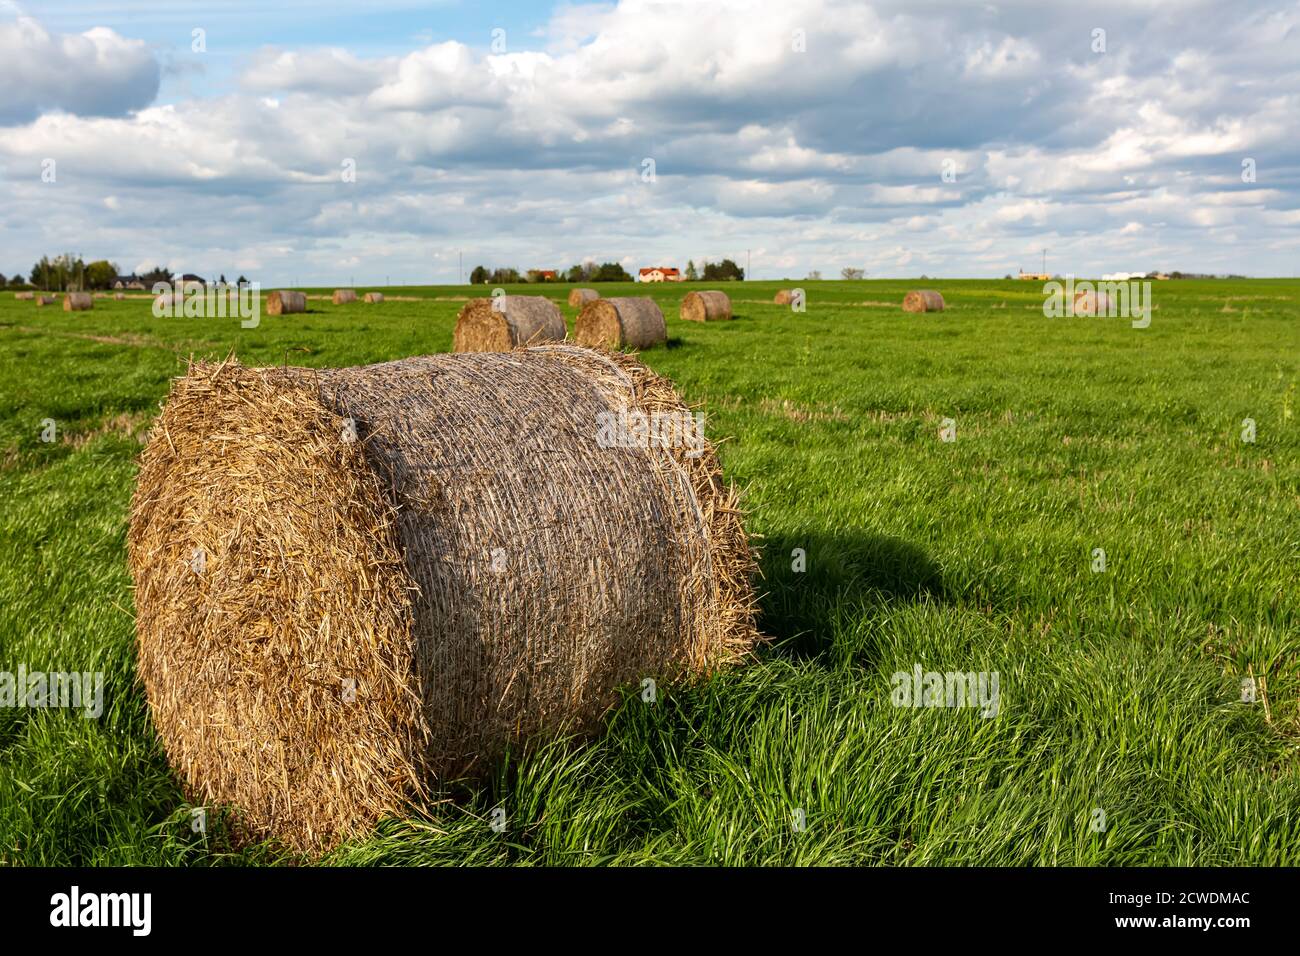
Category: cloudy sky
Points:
column 353, row 141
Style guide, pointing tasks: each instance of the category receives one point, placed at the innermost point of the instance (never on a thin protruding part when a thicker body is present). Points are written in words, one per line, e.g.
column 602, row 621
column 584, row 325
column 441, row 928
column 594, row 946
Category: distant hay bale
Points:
column 501, row 323
column 706, row 307
column 621, row 323
column 923, row 300
column 119, row 296
column 25, row 295
column 390, row 575
column 78, row 302
column 580, row 297
column 45, row 300
column 284, row 302
column 1092, row 303
column 783, row 297
column 344, row 296
column 374, row 298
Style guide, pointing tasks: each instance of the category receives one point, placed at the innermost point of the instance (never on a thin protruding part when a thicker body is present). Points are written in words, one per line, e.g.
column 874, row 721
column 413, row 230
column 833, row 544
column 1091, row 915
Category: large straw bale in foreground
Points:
column 352, row 583
column 501, row 323
column 285, row 302
column 923, row 300
column 621, row 323
column 705, row 307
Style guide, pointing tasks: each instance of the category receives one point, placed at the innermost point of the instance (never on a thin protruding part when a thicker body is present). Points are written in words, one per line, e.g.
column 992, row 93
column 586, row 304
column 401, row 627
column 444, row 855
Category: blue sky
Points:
column 329, row 141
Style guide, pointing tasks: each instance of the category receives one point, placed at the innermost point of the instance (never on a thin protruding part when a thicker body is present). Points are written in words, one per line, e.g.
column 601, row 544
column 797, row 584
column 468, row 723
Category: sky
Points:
column 328, row 142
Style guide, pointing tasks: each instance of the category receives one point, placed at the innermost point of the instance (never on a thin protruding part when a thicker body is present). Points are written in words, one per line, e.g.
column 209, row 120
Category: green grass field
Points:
column 1120, row 691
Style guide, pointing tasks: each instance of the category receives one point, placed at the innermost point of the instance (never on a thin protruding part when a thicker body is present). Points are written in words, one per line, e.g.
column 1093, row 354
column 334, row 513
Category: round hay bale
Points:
column 344, row 296
column 284, row 302
column 119, row 296
column 25, row 295
column 374, row 298
column 923, row 300
column 783, row 297
column 353, row 583
column 580, row 297
column 706, row 307
column 45, row 300
column 501, row 323
column 630, row 323
column 78, row 302
column 1092, row 303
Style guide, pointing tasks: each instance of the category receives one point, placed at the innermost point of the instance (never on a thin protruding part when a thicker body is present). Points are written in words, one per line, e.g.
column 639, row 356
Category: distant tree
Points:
column 101, row 275
column 155, row 274
column 610, row 272
column 814, row 275
column 478, row 276
column 849, row 273
column 726, row 271
column 691, row 273
column 504, row 276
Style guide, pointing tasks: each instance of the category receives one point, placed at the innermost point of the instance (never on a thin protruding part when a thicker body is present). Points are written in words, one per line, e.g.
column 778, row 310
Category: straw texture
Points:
column 447, row 533
column 344, row 296
column 502, row 323
column 923, row 300
column 284, row 302
column 706, row 307
column 628, row 323
column 580, row 297
column 783, row 297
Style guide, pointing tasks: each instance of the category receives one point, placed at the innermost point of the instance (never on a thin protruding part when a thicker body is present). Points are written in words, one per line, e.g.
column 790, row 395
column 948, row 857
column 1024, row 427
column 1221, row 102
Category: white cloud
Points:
column 96, row 73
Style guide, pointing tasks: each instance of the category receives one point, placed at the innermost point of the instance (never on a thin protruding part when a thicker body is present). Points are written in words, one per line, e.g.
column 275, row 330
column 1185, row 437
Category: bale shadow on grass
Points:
column 843, row 570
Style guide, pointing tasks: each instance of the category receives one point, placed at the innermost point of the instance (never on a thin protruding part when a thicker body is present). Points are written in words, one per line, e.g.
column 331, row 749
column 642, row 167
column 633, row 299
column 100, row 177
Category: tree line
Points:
column 723, row 271
column 71, row 273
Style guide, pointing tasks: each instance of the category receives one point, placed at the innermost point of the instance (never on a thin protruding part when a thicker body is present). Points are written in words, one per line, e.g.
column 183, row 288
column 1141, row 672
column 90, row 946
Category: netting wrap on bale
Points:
column 923, row 300
column 705, row 306
column 621, row 323
column 351, row 583
column 504, row 322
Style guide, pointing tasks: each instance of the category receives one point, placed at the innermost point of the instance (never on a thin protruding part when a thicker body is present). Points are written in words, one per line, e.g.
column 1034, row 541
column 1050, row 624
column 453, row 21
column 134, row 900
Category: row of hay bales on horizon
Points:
column 507, row 321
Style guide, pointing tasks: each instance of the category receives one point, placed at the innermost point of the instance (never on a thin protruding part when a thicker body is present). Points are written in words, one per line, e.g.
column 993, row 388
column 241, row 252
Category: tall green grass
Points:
column 1120, row 690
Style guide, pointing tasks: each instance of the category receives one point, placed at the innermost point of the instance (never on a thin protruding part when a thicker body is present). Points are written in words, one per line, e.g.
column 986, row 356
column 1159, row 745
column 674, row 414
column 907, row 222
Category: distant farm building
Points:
column 659, row 274
column 129, row 282
column 1034, row 276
